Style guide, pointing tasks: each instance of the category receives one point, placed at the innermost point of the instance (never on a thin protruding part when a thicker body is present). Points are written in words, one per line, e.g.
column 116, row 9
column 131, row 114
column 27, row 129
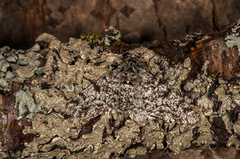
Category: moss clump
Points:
column 112, row 35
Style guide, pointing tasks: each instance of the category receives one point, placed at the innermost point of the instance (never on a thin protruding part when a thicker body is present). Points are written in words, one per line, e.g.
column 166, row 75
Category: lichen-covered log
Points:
column 121, row 100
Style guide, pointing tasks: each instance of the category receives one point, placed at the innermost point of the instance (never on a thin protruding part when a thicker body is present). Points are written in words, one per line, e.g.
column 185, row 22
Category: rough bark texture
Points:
column 22, row 21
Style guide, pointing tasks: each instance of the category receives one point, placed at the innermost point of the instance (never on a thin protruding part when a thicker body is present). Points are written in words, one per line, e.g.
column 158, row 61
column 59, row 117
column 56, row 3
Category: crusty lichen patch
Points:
column 88, row 102
column 233, row 38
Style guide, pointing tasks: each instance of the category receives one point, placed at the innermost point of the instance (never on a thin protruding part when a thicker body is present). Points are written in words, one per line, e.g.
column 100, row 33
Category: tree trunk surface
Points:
column 138, row 20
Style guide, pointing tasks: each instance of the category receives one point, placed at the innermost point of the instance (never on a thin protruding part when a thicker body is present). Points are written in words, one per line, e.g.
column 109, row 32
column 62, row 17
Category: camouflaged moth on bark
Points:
column 133, row 89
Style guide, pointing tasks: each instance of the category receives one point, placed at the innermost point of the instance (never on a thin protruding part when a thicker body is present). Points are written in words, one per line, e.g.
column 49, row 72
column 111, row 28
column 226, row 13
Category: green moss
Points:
column 115, row 35
column 90, row 38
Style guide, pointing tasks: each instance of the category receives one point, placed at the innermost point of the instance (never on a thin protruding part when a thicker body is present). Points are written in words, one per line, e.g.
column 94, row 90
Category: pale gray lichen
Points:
column 206, row 135
column 51, row 99
column 116, row 35
column 233, row 38
column 35, row 47
column 206, row 105
column 9, row 75
column 24, row 98
column 4, row 65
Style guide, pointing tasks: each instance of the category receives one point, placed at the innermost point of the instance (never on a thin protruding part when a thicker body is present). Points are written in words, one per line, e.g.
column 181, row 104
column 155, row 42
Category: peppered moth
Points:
column 133, row 89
